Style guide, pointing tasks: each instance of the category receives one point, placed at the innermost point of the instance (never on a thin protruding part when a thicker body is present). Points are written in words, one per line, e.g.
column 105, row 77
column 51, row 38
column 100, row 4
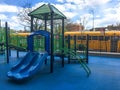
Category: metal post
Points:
column 7, row 46
column 92, row 11
column 68, row 48
column 9, row 41
column 52, row 45
column 87, row 48
column 75, row 43
column 45, row 37
column 63, row 42
column 93, row 22
column 31, row 24
column 17, row 53
column 45, row 22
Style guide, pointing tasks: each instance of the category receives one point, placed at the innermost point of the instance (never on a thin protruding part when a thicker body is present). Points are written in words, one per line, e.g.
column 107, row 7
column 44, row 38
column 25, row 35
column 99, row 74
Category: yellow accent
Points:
column 104, row 45
column 21, row 34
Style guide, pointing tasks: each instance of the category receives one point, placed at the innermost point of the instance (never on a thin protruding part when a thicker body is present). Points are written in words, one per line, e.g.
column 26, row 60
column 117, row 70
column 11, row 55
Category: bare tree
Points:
column 25, row 19
column 83, row 22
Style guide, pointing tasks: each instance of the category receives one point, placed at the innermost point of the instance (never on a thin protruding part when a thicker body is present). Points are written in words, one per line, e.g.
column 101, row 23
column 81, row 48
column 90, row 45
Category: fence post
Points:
column 87, row 48
column 75, row 43
column 68, row 48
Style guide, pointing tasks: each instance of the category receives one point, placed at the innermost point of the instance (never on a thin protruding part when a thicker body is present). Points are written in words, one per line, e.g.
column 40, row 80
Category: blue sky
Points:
column 105, row 12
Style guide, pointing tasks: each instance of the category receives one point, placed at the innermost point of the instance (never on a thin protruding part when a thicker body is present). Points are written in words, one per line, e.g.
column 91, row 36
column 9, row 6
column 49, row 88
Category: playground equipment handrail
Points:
column 82, row 61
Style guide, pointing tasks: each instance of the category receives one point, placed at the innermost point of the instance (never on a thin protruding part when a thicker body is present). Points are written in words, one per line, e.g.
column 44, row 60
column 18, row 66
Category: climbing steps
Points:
column 79, row 57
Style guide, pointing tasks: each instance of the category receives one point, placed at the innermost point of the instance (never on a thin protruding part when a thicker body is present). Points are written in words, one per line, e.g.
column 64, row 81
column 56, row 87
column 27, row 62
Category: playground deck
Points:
column 105, row 76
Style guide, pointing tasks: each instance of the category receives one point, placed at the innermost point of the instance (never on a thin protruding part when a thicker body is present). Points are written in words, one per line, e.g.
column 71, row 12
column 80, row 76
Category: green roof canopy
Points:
column 44, row 12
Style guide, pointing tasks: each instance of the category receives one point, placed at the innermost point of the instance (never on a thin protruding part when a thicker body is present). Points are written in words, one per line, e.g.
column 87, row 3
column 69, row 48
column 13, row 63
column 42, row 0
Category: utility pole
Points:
column 92, row 11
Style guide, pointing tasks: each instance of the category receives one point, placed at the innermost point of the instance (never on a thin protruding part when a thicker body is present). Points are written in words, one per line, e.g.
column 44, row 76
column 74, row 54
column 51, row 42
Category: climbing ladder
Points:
column 79, row 57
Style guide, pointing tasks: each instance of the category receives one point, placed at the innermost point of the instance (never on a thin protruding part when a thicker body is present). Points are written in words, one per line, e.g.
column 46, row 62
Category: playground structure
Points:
column 23, row 69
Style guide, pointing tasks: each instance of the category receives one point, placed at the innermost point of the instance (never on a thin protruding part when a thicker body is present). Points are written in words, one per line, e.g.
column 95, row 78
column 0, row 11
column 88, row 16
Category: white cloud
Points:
column 108, row 19
column 8, row 13
column 110, row 16
column 74, row 10
column 117, row 9
column 38, row 5
column 60, row 7
column 75, row 1
column 96, row 2
column 70, row 6
column 3, row 17
column 14, row 23
column 8, row 8
column 70, row 14
column 15, row 19
column 60, row 1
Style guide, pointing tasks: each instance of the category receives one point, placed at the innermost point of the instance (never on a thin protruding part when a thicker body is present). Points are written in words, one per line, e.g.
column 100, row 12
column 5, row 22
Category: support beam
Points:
column 45, row 22
column 31, row 24
column 52, row 44
column 62, row 42
column 7, row 46
column 45, row 38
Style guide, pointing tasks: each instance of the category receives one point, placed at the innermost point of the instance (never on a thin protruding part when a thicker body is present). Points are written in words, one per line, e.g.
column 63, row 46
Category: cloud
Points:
column 8, row 8
column 8, row 13
column 37, row 5
column 105, row 14
column 61, row 7
column 75, row 1
column 70, row 14
column 96, row 2
column 14, row 23
column 3, row 17
column 60, row 1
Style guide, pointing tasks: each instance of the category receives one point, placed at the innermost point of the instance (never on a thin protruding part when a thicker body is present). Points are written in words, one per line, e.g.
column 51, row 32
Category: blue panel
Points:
column 30, row 43
column 39, row 32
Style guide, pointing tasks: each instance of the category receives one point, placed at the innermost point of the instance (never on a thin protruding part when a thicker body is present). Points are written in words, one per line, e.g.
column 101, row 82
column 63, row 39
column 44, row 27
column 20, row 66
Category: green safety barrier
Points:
column 79, row 57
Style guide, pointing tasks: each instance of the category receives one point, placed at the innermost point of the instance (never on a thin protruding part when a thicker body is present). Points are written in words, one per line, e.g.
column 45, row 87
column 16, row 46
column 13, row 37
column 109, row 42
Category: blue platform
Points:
column 105, row 76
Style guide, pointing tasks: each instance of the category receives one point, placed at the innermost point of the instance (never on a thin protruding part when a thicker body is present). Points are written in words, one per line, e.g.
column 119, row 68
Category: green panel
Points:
column 22, row 42
column 2, row 35
column 18, row 41
column 41, row 10
column 39, row 43
column 46, row 10
column 57, row 43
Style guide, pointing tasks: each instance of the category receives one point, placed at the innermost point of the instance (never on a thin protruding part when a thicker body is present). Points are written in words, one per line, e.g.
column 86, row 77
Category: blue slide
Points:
column 28, row 66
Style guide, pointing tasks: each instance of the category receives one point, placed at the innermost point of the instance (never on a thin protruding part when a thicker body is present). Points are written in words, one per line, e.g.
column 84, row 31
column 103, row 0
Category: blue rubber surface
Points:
column 105, row 76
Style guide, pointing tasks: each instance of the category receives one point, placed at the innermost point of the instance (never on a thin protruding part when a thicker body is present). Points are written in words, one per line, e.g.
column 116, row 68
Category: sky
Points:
column 97, row 13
